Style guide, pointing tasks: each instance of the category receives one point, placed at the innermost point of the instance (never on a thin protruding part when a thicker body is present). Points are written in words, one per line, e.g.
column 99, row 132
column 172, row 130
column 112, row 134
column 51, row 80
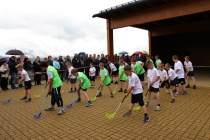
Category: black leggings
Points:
column 56, row 97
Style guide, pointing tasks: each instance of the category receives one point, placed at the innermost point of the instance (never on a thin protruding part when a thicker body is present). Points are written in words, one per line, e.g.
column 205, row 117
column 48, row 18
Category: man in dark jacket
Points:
column 13, row 71
column 76, row 62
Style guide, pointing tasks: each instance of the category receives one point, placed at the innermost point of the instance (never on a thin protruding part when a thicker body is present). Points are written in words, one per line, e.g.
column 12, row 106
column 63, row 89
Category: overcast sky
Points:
column 61, row 27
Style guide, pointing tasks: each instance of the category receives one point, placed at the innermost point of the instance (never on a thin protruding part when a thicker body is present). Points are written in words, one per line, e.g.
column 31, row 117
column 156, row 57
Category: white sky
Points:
column 61, row 27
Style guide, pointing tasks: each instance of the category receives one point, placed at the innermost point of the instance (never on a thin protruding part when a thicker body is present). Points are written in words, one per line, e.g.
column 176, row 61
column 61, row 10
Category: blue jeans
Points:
column 13, row 79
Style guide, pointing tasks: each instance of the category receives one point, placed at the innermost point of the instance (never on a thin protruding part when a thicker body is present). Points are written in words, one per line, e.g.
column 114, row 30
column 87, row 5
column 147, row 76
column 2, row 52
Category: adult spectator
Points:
column 49, row 61
column 61, row 72
column 13, row 71
column 37, row 71
column 76, row 62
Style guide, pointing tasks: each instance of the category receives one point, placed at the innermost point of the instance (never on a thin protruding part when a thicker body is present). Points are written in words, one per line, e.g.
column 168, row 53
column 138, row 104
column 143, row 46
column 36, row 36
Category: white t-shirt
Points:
column 163, row 74
column 135, row 83
column 188, row 65
column 171, row 73
column 24, row 73
column 178, row 65
column 92, row 71
column 112, row 67
column 72, row 76
column 152, row 75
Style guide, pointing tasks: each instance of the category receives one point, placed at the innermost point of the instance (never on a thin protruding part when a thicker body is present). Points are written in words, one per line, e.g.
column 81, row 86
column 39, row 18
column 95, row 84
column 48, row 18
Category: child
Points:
column 137, row 92
column 189, row 71
column 179, row 70
column 164, row 81
column 4, row 69
column 105, row 79
column 153, row 83
column 173, row 78
column 92, row 74
column 122, row 77
column 138, row 69
column 84, row 84
column 113, row 72
column 71, row 77
column 149, row 59
column 158, row 61
column 27, row 82
column 54, row 83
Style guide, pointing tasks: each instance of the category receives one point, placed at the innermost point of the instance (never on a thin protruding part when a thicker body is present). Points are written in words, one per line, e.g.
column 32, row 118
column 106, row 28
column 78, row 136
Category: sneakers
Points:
column 147, row 104
column 115, row 82
column 127, row 113
column 24, row 98
column 99, row 95
column 120, row 90
column 157, row 108
column 78, row 100
column 51, row 108
column 167, row 91
column 146, row 119
column 172, row 100
column 88, row 104
column 176, row 94
column 184, row 93
column 71, row 91
column 194, row 87
column 125, row 91
column 188, row 86
column 28, row 100
column 61, row 111
column 112, row 95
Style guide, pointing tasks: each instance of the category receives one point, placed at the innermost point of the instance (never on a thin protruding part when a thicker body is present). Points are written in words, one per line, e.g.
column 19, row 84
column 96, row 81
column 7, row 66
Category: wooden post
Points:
column 150, row 42
column 110, row 44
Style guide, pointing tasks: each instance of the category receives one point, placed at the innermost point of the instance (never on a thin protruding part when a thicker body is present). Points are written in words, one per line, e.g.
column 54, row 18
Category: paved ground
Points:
column 188, row 118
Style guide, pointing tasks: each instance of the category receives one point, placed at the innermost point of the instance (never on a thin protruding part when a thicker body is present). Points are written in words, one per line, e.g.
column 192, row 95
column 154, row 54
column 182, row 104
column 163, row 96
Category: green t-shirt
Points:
column 82, row 78
column 157, row 62
column 138, row 67
column 121, row 71
column 105, row 74
column 56, row 82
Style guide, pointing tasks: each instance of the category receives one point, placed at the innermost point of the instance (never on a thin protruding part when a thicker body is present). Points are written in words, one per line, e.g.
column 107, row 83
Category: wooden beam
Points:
column 110, row 44
column 166, row 11
column 150, row 43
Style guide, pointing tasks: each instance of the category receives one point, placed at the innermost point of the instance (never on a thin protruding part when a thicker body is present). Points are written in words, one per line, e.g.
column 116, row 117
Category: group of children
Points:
column 134, row 74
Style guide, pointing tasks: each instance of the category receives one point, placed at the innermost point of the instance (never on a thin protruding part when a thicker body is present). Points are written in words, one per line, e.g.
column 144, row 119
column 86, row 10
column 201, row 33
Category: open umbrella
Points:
column 14, row 52
column 123, row 52
column 138, row 52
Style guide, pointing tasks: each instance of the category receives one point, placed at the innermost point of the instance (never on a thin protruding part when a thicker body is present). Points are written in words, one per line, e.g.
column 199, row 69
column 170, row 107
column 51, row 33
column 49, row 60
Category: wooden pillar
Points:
column 110, row 44
column 150, row 42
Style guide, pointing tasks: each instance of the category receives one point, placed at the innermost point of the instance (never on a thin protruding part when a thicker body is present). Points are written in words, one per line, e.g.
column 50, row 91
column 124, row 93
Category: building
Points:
column 179, row 27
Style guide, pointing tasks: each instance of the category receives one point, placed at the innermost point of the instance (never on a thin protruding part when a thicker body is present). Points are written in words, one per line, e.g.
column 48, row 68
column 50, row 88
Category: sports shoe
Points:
column 172, row 100
column 88, row 104
column 174, row 91
column 188, row 86
column 120, row 90
column 157, row 108
column 61, row 111
column 127, row 113
column 112, row 95
column 28, row 100
column 99, row 95
column 147, row 104
column 125, row 91
column 23, row 98
column 70, row 91
column 115, row 82
column 194, row 87
column 176, row 94
column 75, row 90
column 184, row 93
column 167, row 91
column 146, row 119
column 78, row 100
column 111, row 81
column 51, row 108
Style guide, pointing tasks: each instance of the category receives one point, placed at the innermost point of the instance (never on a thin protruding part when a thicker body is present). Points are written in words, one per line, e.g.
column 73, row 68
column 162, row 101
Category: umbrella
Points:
column 14, row 52
column 138, row 52
column 145, row 52
column 81, row 53
column 123, row 52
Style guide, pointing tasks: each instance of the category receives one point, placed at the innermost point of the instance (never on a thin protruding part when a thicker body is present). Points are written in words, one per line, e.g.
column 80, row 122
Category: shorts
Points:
column 137, row 98
column 190, row 74
column 92, row 78
column 166, row 84
column 122, row 80
column 114, row 73
column 107, row 84
column 73, row 81
column 182, row 81
column 84, row 89
column 174, row 82
column 155, row 90
column 27, row 85
column 141, row 76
